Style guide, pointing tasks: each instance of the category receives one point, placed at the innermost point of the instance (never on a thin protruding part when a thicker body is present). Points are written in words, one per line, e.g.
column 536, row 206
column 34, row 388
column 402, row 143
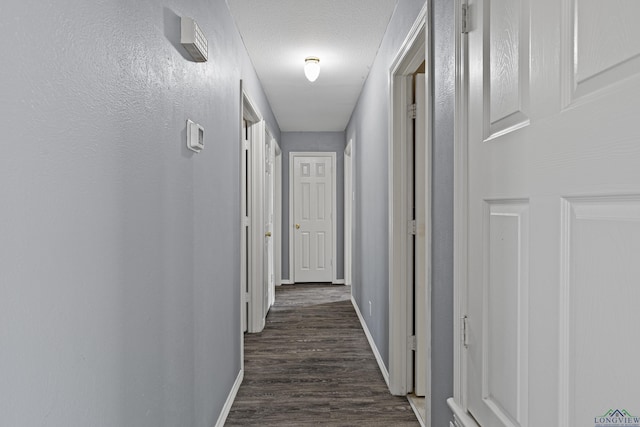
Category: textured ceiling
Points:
column 280, row 34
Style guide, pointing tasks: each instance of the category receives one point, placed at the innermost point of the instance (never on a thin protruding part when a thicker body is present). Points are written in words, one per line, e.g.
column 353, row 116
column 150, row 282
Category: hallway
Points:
column 312, row 365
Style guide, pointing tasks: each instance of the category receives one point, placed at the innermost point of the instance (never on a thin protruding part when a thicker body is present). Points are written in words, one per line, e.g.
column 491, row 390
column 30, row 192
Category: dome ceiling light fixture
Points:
column 312, row 68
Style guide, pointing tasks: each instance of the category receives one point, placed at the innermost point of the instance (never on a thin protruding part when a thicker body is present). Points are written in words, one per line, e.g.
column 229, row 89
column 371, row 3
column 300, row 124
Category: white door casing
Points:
column 254, row 204
column 422, row 239
column 278, row 216
column 245, row 191
column 312, row 200
column 413, row 52
column 269, row 209
column 552, row 189
column 348, row 211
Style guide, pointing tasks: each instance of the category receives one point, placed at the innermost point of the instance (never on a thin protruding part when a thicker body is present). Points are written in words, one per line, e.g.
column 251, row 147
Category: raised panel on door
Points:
column 601, row 237
column 506, row 62
column 552, row 194
column 505, row 310
column 601, row 45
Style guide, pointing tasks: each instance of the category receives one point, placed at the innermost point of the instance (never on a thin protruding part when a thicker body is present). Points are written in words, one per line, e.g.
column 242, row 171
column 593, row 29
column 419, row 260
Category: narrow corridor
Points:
column 312, row 365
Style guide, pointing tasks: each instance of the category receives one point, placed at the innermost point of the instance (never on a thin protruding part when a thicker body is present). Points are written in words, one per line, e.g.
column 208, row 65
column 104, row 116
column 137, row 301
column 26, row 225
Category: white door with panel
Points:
column 553, row 199
column 312, row 225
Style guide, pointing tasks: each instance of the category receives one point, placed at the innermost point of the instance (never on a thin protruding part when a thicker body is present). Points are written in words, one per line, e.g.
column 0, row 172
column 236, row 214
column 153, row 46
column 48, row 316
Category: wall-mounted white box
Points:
column 193, row 39
column 195, row 136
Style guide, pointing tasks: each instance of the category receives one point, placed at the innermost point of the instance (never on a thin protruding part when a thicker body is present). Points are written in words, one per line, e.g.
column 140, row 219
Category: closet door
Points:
column 553, row 211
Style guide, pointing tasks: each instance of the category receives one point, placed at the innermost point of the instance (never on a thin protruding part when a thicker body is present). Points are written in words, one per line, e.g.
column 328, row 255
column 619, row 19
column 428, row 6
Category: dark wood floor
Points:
column 312, row 365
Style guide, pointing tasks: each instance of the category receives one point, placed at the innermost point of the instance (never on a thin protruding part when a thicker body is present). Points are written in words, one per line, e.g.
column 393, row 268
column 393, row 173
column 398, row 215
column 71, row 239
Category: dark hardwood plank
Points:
column 312, row 365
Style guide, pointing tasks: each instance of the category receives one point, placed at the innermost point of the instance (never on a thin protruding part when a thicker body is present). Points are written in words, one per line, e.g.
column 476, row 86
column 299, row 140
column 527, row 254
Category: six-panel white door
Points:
column 312, row 218
column 554, row 211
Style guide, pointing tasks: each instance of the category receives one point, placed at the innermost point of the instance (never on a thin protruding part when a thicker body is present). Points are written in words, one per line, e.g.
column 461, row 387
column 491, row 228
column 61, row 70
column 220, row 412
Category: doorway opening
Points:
column 255, row 295
column 410, row 219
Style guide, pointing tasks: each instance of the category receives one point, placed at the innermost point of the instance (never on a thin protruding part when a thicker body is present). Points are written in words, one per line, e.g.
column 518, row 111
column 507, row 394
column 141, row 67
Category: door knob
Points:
column 297, row 226
column 268, row 234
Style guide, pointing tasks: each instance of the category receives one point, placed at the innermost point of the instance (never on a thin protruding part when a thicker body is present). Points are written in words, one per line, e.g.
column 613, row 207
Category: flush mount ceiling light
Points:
column 312, row 68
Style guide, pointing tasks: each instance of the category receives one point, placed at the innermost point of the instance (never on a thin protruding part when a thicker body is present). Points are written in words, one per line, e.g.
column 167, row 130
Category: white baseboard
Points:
column 376, row 353
column 460, row 416
column 232, row 396
column 417, row 412
column 289, row 282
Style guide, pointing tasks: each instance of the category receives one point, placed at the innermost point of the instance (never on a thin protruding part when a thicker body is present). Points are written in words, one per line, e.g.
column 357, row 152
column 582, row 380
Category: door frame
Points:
column 277, row 217
column 458, row 402
column 255, row 238
column 270, row 159
column 349, row 202
column 460, row 221
column 292, row 156
column 414, row 50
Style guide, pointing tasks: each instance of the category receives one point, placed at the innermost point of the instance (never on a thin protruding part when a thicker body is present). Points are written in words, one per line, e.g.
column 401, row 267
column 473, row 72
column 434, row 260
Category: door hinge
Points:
column 412, row 343
column 412, row 111
column 465, row 24
column 247, row 297
column 411, row 224
column 464, row 333
column 245, row 144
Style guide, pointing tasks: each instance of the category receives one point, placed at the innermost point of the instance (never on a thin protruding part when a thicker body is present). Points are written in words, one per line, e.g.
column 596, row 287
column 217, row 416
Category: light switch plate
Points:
column 195, row 136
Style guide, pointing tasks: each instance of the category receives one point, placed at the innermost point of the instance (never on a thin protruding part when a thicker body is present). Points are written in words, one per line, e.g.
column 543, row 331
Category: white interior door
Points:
column 313, row 185
column 554, row 211
column 258, row 291
column 421, row 191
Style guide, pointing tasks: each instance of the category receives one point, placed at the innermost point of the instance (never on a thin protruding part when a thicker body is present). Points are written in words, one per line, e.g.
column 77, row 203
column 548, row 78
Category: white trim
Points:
column 348, row 212
column 244, row 250
column 230, row 399
column 286, row 282
column 372, row 343
column 338, row 282
column 460, row 224
column 460, row 414
column 256, row 313
column 277, row 254
column 334, row 210
column 417, row 412
column 415, row 49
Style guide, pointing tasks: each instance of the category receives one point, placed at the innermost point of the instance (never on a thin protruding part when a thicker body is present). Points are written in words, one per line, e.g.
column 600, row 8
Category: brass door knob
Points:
column 268, row 234
column 297, row 226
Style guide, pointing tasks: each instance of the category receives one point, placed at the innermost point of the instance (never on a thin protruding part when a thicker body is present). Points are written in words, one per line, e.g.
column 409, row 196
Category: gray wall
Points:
column 369, row 125
column 119, row 248
column 443, row 89
column 321, row 142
